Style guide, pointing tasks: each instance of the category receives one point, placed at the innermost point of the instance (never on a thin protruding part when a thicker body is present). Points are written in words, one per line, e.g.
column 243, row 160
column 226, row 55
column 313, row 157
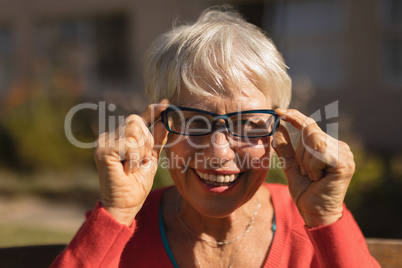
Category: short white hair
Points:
column 218, row 50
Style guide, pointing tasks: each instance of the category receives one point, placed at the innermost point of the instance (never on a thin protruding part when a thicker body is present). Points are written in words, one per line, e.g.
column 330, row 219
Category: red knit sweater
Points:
column 103, row 242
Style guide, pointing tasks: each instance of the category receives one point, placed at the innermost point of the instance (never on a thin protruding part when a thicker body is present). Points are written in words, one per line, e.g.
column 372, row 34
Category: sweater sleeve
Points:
column 98, row 243
column 341, row 244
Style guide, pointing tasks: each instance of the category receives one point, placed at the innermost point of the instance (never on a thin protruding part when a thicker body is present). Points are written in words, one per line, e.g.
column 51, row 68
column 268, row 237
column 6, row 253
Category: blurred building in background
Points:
column 98, row 45
column 348, row 51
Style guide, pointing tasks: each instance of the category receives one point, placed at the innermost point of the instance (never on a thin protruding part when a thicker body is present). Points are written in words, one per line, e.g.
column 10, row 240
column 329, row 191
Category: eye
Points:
column 196, row 122
column 252, row 124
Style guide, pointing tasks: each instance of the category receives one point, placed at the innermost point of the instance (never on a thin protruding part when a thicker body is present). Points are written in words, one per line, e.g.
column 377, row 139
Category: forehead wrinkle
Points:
column 246, row 97
column 196, row 103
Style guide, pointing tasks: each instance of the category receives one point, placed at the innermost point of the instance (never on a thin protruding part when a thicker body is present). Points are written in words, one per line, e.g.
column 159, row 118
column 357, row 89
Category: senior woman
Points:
column 221, row 89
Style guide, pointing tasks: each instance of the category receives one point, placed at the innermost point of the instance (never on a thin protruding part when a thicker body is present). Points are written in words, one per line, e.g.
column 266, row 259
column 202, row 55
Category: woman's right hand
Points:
column 127, row 160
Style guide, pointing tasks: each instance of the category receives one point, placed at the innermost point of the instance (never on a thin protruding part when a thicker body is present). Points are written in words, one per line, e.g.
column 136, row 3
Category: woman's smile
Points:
column 217, row 179
column 218, row 182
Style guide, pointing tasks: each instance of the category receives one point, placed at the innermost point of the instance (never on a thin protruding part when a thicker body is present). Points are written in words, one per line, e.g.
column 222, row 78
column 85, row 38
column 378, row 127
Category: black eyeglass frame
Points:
column 216, row 117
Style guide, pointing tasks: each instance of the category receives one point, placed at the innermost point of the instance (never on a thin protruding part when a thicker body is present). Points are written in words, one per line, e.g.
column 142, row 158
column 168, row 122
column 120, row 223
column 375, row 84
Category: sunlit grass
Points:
column 12, row 235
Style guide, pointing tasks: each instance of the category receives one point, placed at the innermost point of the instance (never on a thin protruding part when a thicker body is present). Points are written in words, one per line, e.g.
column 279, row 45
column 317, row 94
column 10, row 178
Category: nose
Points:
column 219, row 149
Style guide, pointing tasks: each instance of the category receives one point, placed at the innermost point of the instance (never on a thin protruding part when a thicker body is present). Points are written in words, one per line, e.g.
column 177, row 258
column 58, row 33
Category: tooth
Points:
column 212, row 177
column 232, row 178
column 201, row 174
column 217, row 179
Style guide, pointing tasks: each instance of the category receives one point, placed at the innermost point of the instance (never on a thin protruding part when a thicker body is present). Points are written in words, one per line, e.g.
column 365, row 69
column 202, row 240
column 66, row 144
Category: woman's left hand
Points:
column 318, row 172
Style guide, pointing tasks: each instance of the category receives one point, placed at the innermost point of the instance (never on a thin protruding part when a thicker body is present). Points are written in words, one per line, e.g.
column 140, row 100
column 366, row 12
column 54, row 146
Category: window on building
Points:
column 93, row 51
column 309, row 34
column 5, row 59
column 112, row 48
column 392, row 44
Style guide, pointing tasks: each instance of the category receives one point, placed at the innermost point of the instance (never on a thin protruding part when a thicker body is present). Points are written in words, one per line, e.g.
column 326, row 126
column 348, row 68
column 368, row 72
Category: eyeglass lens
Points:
column 242, row 124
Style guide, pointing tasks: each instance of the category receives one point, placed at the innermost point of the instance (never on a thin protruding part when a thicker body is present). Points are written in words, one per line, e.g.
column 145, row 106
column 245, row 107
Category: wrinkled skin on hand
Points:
column 318, row 172
column 127, row 160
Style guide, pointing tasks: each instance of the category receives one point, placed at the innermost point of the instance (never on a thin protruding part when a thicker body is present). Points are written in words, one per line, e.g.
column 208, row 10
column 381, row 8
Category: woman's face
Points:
column 243, row 160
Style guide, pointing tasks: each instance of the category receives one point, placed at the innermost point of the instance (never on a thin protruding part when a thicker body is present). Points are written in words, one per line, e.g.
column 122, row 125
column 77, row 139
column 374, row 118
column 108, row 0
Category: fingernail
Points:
column 283, row 117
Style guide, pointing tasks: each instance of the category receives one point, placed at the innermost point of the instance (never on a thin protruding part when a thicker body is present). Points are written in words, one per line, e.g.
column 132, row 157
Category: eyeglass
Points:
column 195, row 122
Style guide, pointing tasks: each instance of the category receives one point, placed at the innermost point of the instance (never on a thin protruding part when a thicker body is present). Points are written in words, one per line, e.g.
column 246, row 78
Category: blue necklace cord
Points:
column 164, row 239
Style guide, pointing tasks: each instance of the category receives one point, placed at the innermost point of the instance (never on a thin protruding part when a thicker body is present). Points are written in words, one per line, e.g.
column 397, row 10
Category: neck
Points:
column 226, row 228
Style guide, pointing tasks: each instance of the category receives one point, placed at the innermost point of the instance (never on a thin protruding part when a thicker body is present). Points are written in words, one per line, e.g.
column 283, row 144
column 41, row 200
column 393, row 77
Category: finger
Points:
column 135, row 140
column 153, row 111
column 148, row 165
column 130, row 146
column 283, row 147
column 138, row 148
column 132, row 162
column 137, row 155
column 311, row 167
column 101, row 140
column 135, row 161
column 300, row 151
column 315, row 167
column 133, row 126
column 308, row 140
column 158, row 130
column 138, row 134
column 316, row 154
column 148, row 140
column 298, row 120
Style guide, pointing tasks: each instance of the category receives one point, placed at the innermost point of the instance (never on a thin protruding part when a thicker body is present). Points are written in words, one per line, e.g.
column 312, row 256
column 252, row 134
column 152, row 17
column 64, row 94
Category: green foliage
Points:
column 368, row 176
column 13, row 236
column 162, row 177
column 35, row 128
column 276, row 174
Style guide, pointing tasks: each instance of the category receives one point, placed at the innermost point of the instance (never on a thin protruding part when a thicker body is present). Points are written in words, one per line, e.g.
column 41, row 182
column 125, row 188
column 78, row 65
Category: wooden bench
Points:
column 388, row 252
